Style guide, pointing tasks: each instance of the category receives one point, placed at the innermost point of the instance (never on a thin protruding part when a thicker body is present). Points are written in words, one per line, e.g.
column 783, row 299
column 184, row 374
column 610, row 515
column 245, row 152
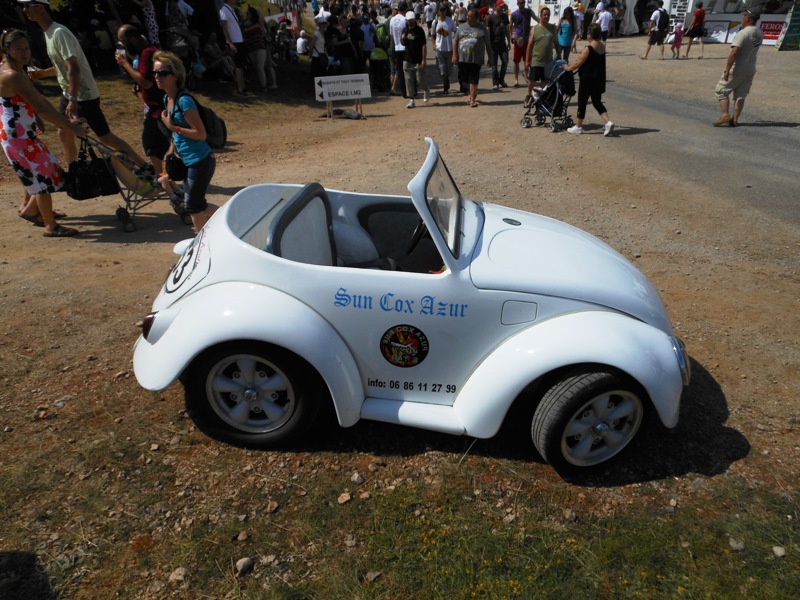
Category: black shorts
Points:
column 240, row 58
column 536, row 74
column 469, row 72
column 90, row 110
column 694, row 32
column 657, row 38
column 396, row 61
column 155, row 137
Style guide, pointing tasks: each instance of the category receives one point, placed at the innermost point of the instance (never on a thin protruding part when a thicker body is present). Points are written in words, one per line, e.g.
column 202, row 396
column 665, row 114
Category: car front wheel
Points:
column 586, row 419
column 251, row 393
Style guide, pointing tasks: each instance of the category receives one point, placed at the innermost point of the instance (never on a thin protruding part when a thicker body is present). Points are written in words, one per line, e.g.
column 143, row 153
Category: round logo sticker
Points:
column 404, row 346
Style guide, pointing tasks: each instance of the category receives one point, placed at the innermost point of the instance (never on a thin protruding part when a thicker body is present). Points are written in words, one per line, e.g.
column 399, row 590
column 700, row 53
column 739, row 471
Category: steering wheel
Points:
column 420, row 231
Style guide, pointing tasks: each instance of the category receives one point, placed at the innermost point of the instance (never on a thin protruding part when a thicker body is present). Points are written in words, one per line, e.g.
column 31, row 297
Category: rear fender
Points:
column 244, row 311
column 643, row 352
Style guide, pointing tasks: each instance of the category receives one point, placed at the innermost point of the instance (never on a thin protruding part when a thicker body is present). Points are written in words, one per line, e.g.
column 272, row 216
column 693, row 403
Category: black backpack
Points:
column 216, row 132
column 663, row 20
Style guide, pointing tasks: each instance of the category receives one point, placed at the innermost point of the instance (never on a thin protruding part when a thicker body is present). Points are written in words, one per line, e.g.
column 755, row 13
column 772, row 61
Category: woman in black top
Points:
column 591, row 66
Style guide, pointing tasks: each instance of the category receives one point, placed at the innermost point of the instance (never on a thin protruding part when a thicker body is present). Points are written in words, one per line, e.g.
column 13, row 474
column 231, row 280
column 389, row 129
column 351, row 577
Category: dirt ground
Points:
column 727, row 271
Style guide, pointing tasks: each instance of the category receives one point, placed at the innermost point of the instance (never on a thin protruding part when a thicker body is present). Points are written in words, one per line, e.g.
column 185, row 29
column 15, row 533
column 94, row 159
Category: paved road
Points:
column 762, row 153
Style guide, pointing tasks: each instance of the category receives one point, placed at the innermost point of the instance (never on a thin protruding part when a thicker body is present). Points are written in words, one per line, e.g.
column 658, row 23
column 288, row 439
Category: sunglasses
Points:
column 162, row 72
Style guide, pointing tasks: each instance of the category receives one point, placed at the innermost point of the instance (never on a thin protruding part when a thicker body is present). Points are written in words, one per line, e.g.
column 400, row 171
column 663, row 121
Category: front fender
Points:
column 238, row 311
column 643, row 352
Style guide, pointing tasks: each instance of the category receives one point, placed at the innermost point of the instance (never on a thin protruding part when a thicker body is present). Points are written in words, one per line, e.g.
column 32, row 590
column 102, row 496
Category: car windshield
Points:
column 444, row 202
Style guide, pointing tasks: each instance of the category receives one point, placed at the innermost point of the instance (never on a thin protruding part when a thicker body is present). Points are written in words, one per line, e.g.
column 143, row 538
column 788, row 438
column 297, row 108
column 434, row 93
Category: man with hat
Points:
column 81, row 96
column 416, row 53
column 739, row 69
column 499, row 28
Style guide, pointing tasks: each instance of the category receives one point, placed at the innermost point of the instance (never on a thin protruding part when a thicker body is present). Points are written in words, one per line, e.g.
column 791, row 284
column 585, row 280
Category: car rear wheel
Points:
column 252, row 393
column 586, row 419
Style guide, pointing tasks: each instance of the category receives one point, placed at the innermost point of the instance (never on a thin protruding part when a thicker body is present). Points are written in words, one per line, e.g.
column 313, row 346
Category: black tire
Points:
column 129, row 226
column 526, row 122
column 587, row 418
column 252, row 393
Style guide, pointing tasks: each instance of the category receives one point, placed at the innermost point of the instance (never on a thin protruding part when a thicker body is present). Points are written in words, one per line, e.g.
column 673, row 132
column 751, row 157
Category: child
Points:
column 676, row 41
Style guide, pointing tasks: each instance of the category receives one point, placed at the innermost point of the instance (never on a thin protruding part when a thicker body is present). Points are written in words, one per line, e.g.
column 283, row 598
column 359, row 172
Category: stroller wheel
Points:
column 553, row 127
column 129, row 226
column 568, row 122
column 526, row 123
column 123, row 215
column 186, row 218
column 541, row 119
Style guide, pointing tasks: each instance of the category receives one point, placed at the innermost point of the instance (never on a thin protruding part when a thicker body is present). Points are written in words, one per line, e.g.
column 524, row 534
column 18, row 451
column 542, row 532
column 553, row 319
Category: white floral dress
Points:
column 32, row 161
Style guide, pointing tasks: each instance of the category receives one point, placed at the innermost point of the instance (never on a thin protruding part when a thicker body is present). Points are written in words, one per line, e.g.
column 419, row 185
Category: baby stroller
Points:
column 138, row 187
column 552, row 101
column 379, row 70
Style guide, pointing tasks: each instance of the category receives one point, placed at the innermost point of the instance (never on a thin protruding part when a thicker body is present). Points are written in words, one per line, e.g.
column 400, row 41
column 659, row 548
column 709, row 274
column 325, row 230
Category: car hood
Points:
column 524, row 252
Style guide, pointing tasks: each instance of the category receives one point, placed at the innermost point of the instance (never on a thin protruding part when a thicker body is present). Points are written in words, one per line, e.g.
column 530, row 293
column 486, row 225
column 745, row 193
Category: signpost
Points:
column 342, row 87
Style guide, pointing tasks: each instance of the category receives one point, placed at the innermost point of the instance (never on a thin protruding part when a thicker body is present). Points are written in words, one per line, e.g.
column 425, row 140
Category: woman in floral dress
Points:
column 34, row 164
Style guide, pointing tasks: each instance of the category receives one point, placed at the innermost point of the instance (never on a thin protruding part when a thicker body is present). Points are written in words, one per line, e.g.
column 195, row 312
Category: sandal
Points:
column 35, row 219
column 61, row 231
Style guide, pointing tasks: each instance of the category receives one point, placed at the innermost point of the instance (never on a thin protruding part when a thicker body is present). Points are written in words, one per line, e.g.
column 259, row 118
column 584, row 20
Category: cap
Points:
column 410, row 16
column 44, row 2
column 753, row 13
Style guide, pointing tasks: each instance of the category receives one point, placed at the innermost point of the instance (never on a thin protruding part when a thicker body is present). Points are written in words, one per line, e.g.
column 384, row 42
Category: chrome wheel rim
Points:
column 602, row 428
column 251, row 394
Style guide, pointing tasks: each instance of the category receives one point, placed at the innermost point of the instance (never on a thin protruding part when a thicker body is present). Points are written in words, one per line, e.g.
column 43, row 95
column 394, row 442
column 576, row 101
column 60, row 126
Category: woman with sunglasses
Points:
column 188, row 136
column 32, row 161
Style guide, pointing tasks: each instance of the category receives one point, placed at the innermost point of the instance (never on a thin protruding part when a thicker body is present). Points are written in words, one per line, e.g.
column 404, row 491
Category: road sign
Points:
column 342, row 87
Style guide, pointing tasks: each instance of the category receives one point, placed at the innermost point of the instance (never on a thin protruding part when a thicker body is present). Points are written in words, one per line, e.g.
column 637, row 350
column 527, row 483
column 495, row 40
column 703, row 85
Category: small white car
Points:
column 430, row 311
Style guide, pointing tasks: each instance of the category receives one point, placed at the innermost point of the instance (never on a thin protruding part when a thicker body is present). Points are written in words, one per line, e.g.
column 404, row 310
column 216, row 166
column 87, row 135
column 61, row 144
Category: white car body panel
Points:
column 450, row 350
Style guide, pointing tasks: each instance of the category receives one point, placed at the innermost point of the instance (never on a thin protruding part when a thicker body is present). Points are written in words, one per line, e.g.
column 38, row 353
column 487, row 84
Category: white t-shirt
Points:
column 229, row 21
column 302, row 46
column 654, row 18
column 430, row 12
column 605, row 18
column 396, row 27
column 442, row 42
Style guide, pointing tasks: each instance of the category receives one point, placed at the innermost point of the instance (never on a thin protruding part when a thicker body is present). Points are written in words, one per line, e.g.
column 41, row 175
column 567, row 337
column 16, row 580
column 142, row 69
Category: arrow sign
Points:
column 342, row 87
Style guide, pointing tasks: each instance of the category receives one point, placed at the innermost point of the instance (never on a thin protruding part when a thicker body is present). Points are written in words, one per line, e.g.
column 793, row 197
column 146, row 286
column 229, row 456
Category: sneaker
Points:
column 575, row 129
column 723, row 120
column 425, row 96
column 608, row 128
column 411, row 104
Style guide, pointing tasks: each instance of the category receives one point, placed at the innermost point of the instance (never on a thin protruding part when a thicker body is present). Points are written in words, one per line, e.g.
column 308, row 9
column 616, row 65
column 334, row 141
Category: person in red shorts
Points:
column 520, row 30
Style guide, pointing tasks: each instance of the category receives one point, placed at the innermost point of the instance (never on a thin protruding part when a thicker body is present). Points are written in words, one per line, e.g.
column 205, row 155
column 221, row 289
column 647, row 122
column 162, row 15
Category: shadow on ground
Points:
column 701, row 443
column 22, row 577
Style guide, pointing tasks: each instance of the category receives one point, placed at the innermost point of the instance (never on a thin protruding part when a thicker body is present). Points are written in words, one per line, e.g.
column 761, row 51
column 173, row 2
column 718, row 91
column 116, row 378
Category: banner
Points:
column 789, row 38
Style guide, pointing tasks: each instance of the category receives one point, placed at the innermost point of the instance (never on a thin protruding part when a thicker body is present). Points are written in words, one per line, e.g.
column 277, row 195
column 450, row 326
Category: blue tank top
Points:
column 565, row 34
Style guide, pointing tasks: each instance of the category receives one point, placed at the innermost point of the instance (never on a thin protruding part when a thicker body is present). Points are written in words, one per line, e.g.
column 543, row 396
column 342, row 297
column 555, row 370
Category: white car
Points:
column 430, row 311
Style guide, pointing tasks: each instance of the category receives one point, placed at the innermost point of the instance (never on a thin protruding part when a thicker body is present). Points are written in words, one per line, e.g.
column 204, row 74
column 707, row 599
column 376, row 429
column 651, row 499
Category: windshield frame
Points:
column 445, row 206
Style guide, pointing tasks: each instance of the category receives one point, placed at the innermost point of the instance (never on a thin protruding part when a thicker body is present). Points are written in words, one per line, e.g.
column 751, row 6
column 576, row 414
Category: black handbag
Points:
column 175, row 168
column 90, row 176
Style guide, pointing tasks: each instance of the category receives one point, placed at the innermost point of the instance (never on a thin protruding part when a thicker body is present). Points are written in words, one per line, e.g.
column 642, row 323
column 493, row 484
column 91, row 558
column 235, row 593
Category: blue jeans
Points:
column 196, row 184
column 444, row 62
column 499, row 76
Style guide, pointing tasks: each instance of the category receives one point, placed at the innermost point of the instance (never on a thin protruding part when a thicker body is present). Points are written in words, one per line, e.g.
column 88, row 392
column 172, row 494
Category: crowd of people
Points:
column 387, row 41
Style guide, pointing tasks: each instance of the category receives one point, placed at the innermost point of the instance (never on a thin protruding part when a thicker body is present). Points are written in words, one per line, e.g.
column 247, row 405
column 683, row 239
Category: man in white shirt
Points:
column 397, row 25
column 229, row 20
column 444, row 29
column 657, row 30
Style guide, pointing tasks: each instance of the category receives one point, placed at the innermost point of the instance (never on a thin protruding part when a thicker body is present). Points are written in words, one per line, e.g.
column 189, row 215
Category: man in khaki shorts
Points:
column 740, row 69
